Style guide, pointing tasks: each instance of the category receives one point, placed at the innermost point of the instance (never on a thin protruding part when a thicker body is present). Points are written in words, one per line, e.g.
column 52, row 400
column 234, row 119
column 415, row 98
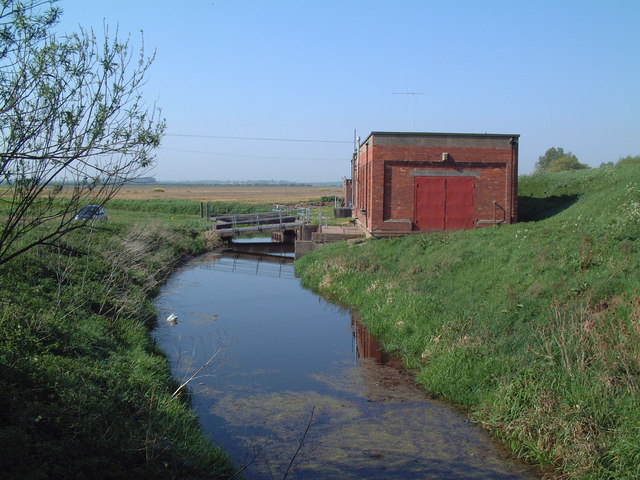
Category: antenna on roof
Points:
column 413, row 94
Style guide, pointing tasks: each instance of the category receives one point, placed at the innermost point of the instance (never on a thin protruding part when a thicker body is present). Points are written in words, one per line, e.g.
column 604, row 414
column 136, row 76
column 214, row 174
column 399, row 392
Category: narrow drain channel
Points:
column 288, row 366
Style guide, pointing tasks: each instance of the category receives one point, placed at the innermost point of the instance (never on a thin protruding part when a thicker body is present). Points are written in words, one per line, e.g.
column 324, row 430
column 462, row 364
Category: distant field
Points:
column 228, row 193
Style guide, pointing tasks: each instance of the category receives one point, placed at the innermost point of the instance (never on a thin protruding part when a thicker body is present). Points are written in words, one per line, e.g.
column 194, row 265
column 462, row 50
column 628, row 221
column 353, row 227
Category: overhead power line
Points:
column 250, row 156
column 257, row 138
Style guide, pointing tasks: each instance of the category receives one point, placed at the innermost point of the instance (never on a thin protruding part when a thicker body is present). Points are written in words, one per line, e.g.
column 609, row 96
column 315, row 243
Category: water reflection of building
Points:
column 365, row 345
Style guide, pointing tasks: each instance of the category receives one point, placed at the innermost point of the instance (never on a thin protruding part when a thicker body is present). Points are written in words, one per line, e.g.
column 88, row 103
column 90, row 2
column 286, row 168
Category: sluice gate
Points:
column 305, row 228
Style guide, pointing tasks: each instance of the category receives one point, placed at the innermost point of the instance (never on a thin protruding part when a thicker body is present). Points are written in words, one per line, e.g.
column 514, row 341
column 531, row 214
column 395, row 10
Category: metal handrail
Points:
column 280, row 217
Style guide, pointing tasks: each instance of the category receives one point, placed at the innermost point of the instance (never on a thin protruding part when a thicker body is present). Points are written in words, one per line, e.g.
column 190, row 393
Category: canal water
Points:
column 294, row 386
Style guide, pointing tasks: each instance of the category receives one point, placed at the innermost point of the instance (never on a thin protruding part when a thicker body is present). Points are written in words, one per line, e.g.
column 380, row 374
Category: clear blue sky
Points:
column 559, row 73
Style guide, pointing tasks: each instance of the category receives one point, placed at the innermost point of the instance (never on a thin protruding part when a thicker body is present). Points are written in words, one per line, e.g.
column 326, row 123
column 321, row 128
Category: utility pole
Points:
column 413, row 94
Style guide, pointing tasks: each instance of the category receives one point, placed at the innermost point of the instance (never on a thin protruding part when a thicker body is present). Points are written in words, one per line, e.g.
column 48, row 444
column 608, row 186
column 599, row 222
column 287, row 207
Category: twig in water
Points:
column 195, row 374
column 300, row 444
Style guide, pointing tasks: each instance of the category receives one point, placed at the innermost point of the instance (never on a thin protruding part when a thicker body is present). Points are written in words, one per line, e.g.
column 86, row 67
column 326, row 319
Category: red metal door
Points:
column 444, row 203
column 459, row 203
column 430, row 203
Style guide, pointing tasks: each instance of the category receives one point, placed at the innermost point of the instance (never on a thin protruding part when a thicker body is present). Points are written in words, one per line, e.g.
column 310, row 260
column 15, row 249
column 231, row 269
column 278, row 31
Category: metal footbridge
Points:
column 277, row 220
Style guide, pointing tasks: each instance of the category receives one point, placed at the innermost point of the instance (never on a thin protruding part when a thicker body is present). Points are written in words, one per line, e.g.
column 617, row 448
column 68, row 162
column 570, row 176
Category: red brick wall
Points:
column 387, row 172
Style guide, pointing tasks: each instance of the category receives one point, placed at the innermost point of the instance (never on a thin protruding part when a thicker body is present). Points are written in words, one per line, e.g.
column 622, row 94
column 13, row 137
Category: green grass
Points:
column 163, row 210
column 533, row 327
column 186, row 212
column 184, row 207
column 133, row 217
column 86, row 392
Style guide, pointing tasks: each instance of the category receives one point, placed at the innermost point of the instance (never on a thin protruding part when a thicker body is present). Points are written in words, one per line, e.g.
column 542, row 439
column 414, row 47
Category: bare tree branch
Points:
column 300, row 444
column 196, row 374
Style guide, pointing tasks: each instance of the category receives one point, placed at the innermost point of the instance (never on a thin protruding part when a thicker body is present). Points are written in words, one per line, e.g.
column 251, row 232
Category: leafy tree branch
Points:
column 74, row 127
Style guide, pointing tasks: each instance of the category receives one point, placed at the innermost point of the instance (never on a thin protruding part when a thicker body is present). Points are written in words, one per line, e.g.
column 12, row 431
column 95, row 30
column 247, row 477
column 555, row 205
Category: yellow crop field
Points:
column 229, row 193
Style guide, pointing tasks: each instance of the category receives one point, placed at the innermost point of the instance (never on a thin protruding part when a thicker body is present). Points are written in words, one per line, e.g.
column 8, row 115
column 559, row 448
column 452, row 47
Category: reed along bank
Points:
column 533, row 328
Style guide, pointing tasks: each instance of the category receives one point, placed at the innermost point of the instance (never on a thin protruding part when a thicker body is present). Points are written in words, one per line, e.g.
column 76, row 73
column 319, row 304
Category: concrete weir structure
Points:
column 315, row 236
column 300, row 241
column 289, row 231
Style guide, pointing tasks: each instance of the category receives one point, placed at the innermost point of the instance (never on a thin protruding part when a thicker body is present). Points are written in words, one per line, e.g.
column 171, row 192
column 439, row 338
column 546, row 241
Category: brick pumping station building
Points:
column 405, row 183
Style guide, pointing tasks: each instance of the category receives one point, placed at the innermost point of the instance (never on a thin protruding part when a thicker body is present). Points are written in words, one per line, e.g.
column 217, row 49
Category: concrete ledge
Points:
column 395, row 233
column 328, row 234
column 303, row 247
column 397, row 224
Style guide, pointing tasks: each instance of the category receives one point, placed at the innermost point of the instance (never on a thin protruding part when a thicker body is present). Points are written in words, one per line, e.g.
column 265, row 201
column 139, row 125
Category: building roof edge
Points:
column 436, row 134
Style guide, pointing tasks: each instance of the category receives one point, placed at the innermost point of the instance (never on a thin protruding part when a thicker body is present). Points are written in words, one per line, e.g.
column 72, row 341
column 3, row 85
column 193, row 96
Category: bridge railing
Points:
column 310, row 215
column 280, row 217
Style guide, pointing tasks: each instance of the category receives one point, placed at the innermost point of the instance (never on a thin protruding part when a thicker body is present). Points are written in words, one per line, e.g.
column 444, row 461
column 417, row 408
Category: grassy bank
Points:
column 86, row 393
column 534, row 327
